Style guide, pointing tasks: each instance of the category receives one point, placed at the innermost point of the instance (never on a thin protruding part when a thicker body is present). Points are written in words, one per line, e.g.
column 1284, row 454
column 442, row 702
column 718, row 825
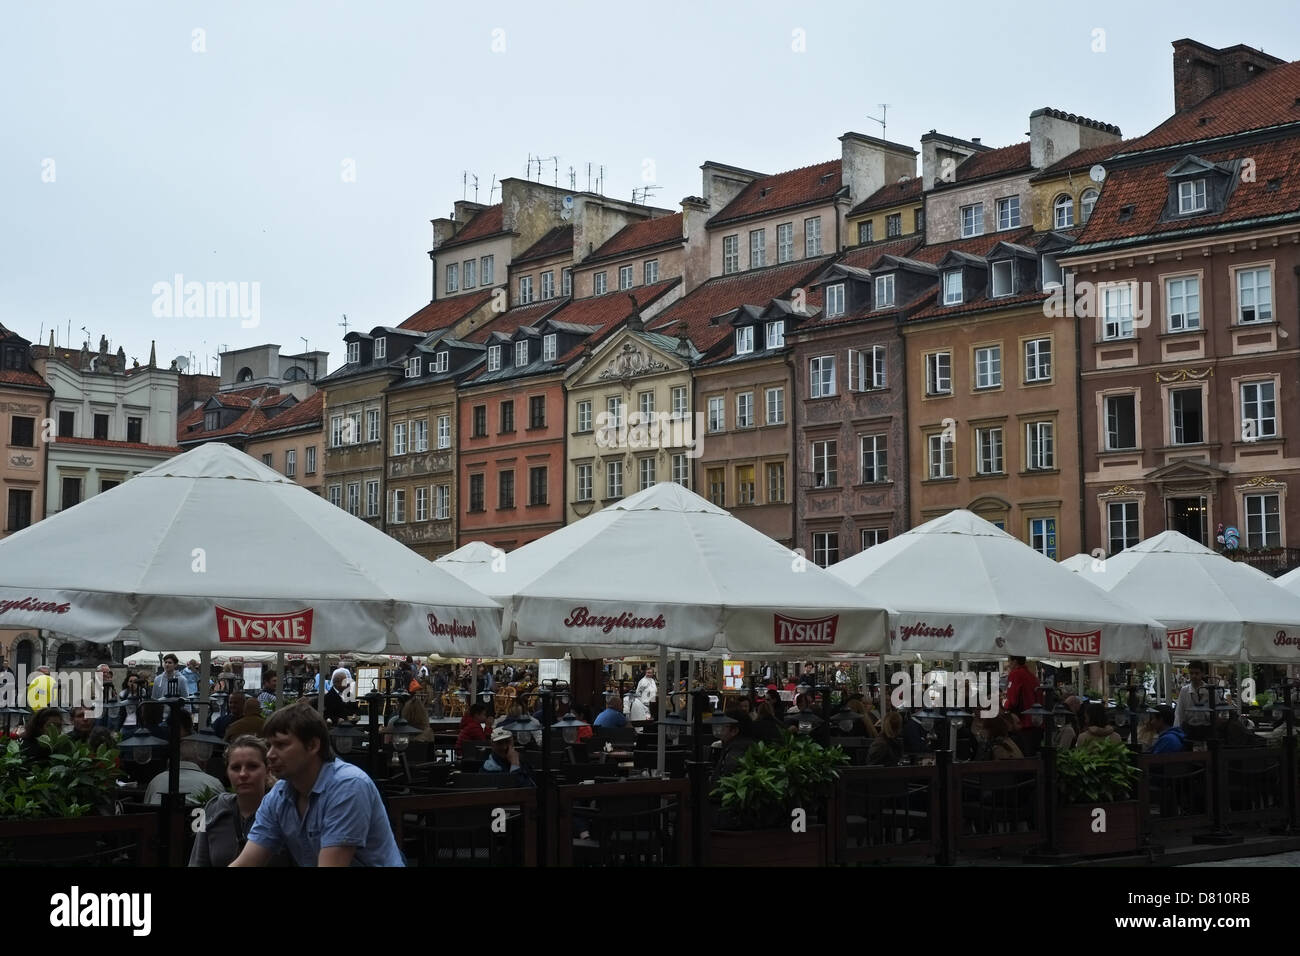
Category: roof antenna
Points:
column 344, row 323
column 884, row 114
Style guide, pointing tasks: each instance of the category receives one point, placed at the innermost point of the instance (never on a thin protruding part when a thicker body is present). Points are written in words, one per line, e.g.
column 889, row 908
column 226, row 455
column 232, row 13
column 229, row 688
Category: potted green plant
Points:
column 1096, row 785
column 759, row 822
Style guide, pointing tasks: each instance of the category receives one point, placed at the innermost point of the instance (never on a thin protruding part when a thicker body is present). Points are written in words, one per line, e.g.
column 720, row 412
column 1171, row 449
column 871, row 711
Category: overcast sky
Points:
column 305, row 146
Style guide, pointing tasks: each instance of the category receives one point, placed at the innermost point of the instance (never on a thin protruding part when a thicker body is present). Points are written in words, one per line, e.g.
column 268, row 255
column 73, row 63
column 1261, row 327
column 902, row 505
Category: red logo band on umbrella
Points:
column 581, row 617
column 1181, row 640
column 1066, row 644
column 242, row 627
column 793, row 630
column 453, row 630
column 31, row 604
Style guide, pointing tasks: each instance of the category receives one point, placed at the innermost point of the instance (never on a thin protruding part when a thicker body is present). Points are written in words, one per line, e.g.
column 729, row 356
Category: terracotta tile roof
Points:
column 445, row 312
column 558, row 240
column 1269, row 100
column 123, row 445
column 640, row 235
column 486, row 222
column 1274, row 193
column 310, row 411
column 978, row 303
column 1085, row 158
column 771, row 194
column 993, row 162
column 508, row 322
column 977, row 246
column 864, row 257
column 893, row 194
column 756, row 287
column 13, row 376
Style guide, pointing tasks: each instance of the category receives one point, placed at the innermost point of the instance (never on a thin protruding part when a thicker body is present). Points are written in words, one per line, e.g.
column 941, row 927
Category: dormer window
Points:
column 744, row 340
column 1191, row 196
column 1053, row 274
column 494, row 358
column 548, row 347
column 952, row 287
column 884, row 291
column 413, row 367
column 521, row 354
column 354, row 353
column 381, row 348
column 776, row 334
column 211, row 421
column 1063, row 212
column 835, row 300
column 1004, row 278
column 14, row 359
column 441, row 361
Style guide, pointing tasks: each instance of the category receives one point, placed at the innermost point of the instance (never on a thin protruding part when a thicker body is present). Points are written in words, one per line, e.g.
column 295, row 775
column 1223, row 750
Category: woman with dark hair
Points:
column 887, row 748
column 133, row 692
column 1097, row 729
column 47, row 720
column 765, row 727
column 229, row 816
column 995, row 740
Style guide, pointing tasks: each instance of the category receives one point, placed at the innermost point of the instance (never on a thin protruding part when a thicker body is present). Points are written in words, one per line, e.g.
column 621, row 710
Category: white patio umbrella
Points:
column 474, row 563
column 1290, row 581
column 214, row 551
column 1214, row 608
column 960, row 587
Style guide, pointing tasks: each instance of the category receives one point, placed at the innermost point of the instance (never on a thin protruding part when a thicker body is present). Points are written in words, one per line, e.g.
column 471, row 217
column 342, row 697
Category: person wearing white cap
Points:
column 504, row 758
column 337, row 707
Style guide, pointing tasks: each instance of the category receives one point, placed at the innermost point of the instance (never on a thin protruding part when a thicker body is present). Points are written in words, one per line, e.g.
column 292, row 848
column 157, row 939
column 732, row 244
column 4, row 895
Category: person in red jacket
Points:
column 1022, row 693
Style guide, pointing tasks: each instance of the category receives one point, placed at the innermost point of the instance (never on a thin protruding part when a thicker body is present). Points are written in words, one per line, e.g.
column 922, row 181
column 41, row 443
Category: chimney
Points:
column 1201, row 71
column 869, row 164
column 723, row 183
column 940, row 153
column 695, row 213
column 1054, row 135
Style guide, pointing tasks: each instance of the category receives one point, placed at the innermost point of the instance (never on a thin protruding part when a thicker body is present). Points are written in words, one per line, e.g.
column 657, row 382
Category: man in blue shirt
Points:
column 323, row 811
column 612, row 715
column 1171, row 739
column 191, row 676
column 504, row 758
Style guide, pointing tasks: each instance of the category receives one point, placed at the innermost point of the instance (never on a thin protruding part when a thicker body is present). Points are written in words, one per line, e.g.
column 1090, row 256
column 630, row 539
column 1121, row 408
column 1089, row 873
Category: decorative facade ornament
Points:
column 1118, row 491
column 1186, row 375
column 631, row 361
column 1262, row 481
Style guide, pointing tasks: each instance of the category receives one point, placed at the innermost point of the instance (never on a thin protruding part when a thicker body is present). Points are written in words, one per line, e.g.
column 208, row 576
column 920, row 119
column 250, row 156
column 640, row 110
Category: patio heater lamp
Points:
column 346, row 737
column 526, row 729
column 140, row 746
column 1286, row 711
column 401, row 730
column 719, row 720
column 568, row 726
column 674, row 726
column 205, row 744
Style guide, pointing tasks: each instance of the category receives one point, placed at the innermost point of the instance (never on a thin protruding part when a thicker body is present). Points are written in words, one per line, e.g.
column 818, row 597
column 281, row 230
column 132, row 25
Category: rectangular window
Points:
column 776, row 334
column 988, row 366
column 821, row 376
column 785, row 242
column 453, row 277
column 525, row 290
column 1263, row 521
column 537, row 485
column 1254, row 295
column 834, row 300
column 873, row 536
column 507, row 416
column 399, row 438
column 442, row 502
column 1191, row 196
column 1186, row 420
column 467, row 273
column 290, row 463
column 354, row 499
column 893, row 225
column 884, row 291
column 812, row 237
column 717, row 478
column 775, row 482
column 71, row 492
column 744, row 340
column 381, row 348
column 354, row 353
column 826, row 548
column 940, row 456
column 757, row 248
column 972, row 220
column 397, row 510
column 1009, row 213
column 1040, row 448
column 67, row 424
column 1258, row 411
column 1038, row 360
column 866, row 231
column 745, row 410
column 441, row 362
column 717, row 413
column 952, row 290
column 356, row 427
column 775, row 405
column 988, row 446
column 614, row 479
column 566, row 282
column 22, row 431
column 101, row 427
column 269, row 459
column 918, row 219
column 505, row 489
column 1004, row 278
column 1183, row 303
column 598, row 284
column 134, row 429
column 625, row 277
column 548, row 284
column 422, row 503
column 938, row 373
column 682, row 470
column 745, row 490
column 420, row 435
column 521, row 353
column 582, row 483
column 646, row 406
column 413, row 367
column 1053, row 274
column 480, row 421
column 645, row 473
column 730, row 254
column 825, row 464
column 867, row 369
column 494, row 358
column 537, row 411
column 875, row 458
column 1122, row 525
column 650, row 272
column 372, row 424
column 681, row 404
column 476, row 494
column 486, row 270
column 311, row 460
column 584, row 416
column 336, row 495
column 372, row 499
column 614, row 412
column 1117, row 310
column 444, row 431
column 20, row 510
column 1042, row 536
column 1121, row 422
column 548, row 347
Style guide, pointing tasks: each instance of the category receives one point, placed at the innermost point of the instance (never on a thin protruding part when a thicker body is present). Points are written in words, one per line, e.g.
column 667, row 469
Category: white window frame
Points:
column 614, row 412
column 988, row 366
column 645, row 473
column 582, row 483
column 521, row 353
column 354, row 353
column 1265, row 425
column 1063, row 211
column 1006, row 269
column 645, row 404
column 372, row 498
column 1256, row 511
column 1117, row 311
column 1261, row 312
column 835, row 300
column 938, row 373
column 1190, row 198
column 336, row 431
column 412, row 367
column 441, row 361
column 290, row 462
column 730, row 254
column 486, row 270
column 681, row 466
column 583, row 416
column 420, row 435
column 774, row 334
column 525, row 290
column 1177, row 425
column 952, row 287
column 442, row 502
column 310, row 464
column 381, row 348
column 598, row 284
column 972, row 220
column 453, row 277
column 548, row 284
column 354, row 499
column 336, row 495
column 1008, row 208
column 1124, row 520
column 825, row 460
column 1038, row 528
column 785, row 242
column 614, row 479
column 812, row 237
column 467, row 278
column 745, row 340
column 1109, row 433
column 680, row 402
column 1040, row 446
column 566, row 282
column 372, row 424
column 1087, row 203
column 399, row 438
column 444, row 432
column 624, row 277
column 717, row 413
column 397, row 506
column 548, row 347
column 826, row 548
column 821, row 376
column 774, row 402
column 745, row 410
column 757, row 248
column 494, row 358
column 942, row 466
column 884, row 291
column 650, row 272
column 1181, row 315
column 421, row 503
column 873, row 458
column 990, row 451
column 1038, row 360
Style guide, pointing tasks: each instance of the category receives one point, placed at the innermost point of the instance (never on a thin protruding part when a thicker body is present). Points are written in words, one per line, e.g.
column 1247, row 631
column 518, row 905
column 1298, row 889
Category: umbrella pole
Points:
column 663, row 707
column 205, row 710
column 279, row 683
column 320, row 685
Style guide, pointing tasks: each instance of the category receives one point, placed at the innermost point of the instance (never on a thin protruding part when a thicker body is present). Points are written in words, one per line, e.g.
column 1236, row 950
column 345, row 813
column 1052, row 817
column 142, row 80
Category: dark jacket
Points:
column 729, row 758
column 884, row 751
column 766, row 730
column 222, row 838
column 336, row 708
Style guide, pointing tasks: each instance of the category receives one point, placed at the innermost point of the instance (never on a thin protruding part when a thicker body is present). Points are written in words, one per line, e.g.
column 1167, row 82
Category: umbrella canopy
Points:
column 152, row 658
column 665, row 568
column 215, row 551
column 959, row 585
column 475, row 563
column 1213, row 607
column 1290, row 581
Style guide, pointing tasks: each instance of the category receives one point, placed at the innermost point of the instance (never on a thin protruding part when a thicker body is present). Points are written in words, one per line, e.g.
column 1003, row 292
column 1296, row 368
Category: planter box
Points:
column 776, row 847
column 1123, row 829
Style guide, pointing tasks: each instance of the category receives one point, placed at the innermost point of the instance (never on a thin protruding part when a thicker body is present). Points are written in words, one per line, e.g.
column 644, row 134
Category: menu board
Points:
column 733, row 675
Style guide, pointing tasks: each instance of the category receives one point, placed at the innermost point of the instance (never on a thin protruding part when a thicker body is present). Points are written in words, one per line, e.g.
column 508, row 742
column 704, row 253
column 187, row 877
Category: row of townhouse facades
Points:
column 1083, row 339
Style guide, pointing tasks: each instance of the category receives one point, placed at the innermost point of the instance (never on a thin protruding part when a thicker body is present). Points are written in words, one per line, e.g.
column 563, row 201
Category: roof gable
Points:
column 772, row 194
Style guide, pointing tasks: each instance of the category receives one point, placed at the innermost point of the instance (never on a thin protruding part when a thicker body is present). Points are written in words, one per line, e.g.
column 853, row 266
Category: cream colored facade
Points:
column 668, row 262
column 298, row 454
column 910, row 223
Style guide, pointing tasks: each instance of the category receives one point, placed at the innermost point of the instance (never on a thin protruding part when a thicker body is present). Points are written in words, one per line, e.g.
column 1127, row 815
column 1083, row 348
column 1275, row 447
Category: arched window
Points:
column 245, row 375
column 295, row 374
column 1063, row 212
column 23, row 655
column 1086, row 202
